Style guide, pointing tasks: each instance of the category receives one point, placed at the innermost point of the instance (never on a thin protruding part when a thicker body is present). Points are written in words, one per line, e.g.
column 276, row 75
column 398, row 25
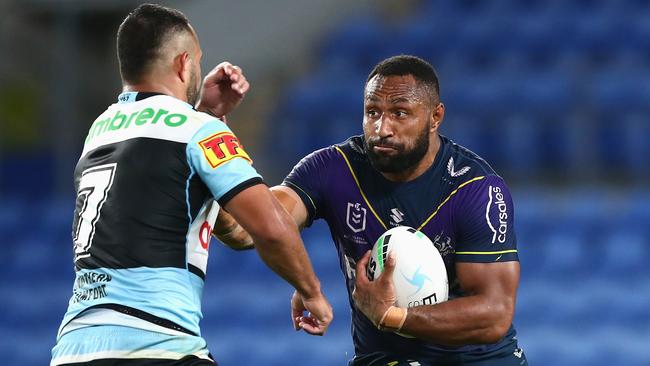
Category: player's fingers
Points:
column 389, row 266
column 215, row 76
column 312, row 326
column 361, row 268
column 216, row 69
column 297, row 309
column 222, row 65
column 244, row 86
column 295, row 318
column 237, row 73
column 235, row 70
column 231, row 69
column 238, row 87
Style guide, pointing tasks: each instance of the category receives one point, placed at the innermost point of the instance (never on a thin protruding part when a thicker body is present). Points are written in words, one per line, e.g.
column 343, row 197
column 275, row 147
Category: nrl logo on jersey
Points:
column 451, row 169
column 356, row 217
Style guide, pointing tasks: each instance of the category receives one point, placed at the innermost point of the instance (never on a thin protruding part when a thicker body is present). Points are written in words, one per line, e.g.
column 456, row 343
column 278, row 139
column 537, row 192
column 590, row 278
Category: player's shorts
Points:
column 508, row 356
column 108, row 345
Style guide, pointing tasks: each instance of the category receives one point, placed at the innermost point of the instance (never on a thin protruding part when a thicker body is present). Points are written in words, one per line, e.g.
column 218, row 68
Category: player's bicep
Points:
column 495, row 283
column 292, row 203
column 216, row 155
column 310, row 180
column 492, row 279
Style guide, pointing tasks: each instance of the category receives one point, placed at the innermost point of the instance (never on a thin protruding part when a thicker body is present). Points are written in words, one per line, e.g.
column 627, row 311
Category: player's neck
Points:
column 418, row 169
column 154, row 87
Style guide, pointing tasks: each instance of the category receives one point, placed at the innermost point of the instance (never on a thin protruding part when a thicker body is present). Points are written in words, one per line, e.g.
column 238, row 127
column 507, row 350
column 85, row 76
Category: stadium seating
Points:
column 552, row 64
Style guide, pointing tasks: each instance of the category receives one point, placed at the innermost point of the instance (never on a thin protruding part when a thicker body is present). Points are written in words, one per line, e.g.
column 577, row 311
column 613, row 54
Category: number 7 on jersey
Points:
column 92, row 193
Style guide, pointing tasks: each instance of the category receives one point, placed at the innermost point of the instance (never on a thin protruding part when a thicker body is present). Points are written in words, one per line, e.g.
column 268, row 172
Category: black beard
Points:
column 192, row 91
column 403, row 161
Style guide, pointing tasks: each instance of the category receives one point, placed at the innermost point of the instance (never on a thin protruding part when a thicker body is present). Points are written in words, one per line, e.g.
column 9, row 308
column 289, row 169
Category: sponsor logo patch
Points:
column 451, row 169
column 221, row 148
column 500, row 228
column 396, row 217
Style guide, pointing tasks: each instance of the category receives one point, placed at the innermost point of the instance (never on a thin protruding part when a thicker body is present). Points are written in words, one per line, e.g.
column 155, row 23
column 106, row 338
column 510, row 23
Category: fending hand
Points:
column 223, row 88
column 319, row 314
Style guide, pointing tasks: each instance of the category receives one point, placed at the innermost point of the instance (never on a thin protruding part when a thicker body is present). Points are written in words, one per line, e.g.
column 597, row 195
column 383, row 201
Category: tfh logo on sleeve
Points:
column 221, row 148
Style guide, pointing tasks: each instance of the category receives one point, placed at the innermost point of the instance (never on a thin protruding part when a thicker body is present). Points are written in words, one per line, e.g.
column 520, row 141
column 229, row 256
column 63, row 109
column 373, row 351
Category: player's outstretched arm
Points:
column 483, row 316
column 278, row 243
column 229, row 232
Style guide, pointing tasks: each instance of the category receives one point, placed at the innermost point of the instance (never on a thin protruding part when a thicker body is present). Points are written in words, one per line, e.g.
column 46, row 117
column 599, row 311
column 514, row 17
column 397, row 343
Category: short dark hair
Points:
column 402, row 65
column 141, row 35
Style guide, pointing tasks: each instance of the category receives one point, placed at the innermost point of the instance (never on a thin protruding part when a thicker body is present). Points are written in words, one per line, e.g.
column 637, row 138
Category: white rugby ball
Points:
column 420, row 276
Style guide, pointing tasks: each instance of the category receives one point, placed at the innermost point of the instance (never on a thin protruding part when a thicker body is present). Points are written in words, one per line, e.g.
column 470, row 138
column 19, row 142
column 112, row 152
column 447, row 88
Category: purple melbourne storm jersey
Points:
column 460, row 203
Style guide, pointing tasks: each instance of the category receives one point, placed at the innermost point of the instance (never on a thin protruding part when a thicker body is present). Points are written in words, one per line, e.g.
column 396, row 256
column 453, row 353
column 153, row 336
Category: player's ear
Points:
column 437, row 115
column 183, row 66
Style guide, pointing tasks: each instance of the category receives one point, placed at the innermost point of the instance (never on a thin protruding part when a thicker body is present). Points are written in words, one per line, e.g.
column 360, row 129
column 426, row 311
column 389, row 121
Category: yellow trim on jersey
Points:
column 306, row 194
column 447, row 199
column 361, row 190
column 490, row 253
column 356, row 180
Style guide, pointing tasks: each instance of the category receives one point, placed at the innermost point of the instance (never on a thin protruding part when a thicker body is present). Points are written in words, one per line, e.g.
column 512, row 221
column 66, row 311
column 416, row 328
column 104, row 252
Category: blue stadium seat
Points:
column 629, row 135
column 621, row 90
column 543, row 95
column 353, row 45
column 626, row 250
column 321, row 112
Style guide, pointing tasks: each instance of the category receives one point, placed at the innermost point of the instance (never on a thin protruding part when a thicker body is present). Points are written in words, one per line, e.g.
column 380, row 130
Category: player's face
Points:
column 396, row 122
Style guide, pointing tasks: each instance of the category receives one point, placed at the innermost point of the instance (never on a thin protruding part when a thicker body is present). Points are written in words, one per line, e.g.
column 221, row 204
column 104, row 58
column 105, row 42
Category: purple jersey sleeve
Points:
column 309, row 178
column 484, row 222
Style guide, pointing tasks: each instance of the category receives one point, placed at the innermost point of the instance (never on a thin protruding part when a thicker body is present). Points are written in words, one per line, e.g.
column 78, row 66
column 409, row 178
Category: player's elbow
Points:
column 274, row 232
column 499, row 324
column 495, row 333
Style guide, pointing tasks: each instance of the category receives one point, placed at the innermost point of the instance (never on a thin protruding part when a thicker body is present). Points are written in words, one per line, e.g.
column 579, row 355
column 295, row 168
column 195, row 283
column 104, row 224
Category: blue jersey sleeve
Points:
column 215, row 154
column 308, row 179
column 484, row 222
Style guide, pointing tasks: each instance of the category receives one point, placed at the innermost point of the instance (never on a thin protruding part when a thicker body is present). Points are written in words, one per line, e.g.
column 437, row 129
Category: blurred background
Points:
column 555, row 94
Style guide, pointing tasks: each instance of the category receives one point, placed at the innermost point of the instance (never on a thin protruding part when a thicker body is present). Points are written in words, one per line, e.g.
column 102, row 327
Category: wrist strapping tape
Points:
column 393, row 319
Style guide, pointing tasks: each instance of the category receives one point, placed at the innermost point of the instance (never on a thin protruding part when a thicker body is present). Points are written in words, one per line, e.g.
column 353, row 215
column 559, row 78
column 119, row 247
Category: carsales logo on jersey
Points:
column 496, row 196
column 221, row 148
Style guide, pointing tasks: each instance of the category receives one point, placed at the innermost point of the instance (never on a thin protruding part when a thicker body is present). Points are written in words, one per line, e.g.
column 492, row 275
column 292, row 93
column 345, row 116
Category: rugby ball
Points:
column 420, row 276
